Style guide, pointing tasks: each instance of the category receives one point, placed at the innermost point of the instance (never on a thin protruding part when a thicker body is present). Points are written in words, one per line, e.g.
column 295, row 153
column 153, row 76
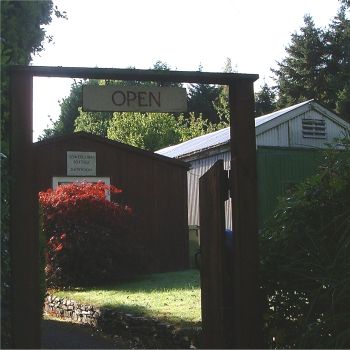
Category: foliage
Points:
column 88, row 236
column 337, row 42
column 21, row 38
column 221, row 104
column 301, row 74
column 306, row 261
column 343, row 102
column 317, row 65
column 150, row 131
column 201, row 101
column 93, row 123
column 162, row 66
column 173, row 296
column 191, row 126
column 265, row 101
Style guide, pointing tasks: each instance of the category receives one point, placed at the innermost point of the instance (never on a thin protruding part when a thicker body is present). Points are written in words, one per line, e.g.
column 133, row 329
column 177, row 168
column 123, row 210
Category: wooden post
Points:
column 26, row 308
column 216, row 313
column 247, row 330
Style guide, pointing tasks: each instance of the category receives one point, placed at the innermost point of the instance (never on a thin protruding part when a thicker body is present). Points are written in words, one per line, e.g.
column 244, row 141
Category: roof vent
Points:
column 314, row 128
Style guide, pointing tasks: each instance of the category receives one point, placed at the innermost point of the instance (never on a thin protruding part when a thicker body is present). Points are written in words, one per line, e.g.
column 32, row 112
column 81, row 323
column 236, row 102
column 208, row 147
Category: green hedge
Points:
column 305, row 253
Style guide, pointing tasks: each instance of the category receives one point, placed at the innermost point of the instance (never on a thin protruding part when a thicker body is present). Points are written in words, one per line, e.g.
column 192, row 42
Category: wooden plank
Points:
column 247, row 326
column 215, row 323
column 26, row 312
column 138, row 74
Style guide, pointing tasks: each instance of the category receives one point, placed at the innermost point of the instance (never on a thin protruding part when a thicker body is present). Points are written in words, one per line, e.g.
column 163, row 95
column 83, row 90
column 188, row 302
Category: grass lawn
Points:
column 173, row 297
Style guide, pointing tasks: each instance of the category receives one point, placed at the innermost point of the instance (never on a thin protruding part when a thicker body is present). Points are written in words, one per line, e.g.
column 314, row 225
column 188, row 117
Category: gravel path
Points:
column 57, row 334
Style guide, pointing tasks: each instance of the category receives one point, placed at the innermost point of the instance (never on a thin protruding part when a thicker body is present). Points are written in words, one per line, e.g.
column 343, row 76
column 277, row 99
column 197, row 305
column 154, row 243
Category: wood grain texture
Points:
column 215, row 272
column 247, row 326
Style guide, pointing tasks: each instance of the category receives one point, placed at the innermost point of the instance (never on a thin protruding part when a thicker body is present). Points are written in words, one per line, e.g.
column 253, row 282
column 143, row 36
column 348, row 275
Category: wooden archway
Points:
column 24, row 206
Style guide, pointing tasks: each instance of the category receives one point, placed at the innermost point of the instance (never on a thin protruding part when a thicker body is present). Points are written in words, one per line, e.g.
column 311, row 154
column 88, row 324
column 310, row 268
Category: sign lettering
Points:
column 134, row 99
column 81, row 163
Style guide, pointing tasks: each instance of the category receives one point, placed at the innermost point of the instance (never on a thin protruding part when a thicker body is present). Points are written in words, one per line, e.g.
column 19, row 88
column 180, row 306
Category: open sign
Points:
column 134, row 99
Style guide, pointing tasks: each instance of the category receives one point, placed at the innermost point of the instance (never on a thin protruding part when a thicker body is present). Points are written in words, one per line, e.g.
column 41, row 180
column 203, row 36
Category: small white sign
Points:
column 134, row 99
column 63, row 180
column 81, row 163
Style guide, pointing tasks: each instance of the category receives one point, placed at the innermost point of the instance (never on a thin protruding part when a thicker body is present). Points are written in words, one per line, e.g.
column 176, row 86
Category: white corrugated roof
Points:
column 199, row 143
column 267, row 117
column 217, row 138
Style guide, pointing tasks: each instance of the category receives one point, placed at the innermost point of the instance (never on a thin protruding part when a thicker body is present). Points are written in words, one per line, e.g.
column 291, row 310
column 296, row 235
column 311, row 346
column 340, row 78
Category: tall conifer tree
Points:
column 301, row 76
column 337, row 42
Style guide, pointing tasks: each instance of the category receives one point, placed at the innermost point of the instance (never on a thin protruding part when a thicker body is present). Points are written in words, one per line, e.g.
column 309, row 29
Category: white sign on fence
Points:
column 134, row 99
column 81, row 163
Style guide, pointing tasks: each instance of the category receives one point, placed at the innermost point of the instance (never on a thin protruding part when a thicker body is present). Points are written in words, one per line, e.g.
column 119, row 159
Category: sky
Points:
column 184, row 34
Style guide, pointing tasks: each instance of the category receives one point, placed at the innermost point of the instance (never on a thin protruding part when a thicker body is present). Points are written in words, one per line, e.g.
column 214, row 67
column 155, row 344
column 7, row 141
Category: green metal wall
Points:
column 278, row 170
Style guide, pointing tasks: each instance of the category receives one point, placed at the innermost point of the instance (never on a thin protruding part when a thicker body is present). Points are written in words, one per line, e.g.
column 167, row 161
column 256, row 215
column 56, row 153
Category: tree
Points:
column 221, row 104
column 337, row 43
column 300, row 76
column 22, row 36
column 201, row 101
column 191, row 126
column 75, row 235
column 345, row 2
column 317, row 65
column 94, row 123
column 150, row 131
column 160, row 65
column 265, row 100
column 343, row 102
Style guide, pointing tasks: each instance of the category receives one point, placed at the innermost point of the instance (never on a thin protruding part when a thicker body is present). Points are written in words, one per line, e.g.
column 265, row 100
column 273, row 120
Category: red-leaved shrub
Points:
column 88, row 236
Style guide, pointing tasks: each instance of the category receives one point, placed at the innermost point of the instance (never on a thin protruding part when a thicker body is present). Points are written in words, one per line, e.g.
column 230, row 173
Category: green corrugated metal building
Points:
column 279, row 170
column 289, row 149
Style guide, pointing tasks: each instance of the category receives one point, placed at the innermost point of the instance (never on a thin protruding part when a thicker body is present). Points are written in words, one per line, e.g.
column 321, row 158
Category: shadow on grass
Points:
column 138, row 296
column 186, row 280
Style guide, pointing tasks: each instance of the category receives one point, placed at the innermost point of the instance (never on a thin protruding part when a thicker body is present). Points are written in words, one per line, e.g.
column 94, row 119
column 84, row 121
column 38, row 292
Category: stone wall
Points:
column 145, row 332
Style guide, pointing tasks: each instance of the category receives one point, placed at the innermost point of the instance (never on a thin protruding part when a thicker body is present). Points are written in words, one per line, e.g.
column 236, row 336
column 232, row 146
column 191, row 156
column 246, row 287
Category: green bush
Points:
column 88, row 236
column 305, row 253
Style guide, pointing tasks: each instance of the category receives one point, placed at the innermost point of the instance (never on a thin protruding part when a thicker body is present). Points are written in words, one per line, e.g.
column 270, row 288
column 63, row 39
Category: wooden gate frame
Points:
column 26, row 313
